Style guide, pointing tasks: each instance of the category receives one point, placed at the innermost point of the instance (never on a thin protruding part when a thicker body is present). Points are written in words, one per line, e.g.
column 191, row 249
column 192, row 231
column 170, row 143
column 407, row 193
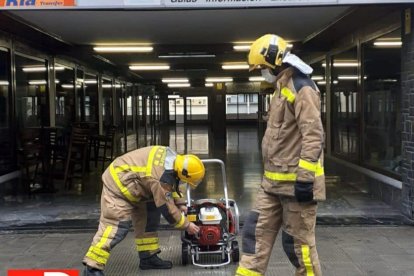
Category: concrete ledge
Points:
column 9, row 176
column 372, row 174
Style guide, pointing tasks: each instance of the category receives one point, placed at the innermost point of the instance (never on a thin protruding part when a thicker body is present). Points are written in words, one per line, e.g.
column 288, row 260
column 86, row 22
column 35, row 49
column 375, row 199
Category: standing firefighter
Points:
column 294, row 178
column 139, row 186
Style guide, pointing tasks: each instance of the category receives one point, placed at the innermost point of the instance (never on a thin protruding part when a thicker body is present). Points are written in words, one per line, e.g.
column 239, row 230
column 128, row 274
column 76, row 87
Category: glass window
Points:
column 65, row 95
column 172, row 107
column 382, row 97
column 345, row 102
column 6, row 147
column 107, row 104
column 249, row 107
column 242, row 106
column 91, row 98
column 231, row 107
column 197, row 108
column 31, row 93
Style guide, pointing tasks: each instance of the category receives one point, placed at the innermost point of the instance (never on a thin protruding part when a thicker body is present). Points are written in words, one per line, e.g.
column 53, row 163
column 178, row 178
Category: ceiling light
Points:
column 245, row 46
column 389, row 44
column 241, row 47
column 40, row 82
column 123, row 49
column 4, row 83
column 70, row 86
column 256, row 79
column 37, row 82
column 343, row 64
column 41, row 69
column 324, row 82
column 90, row 81
column 209, row 84
column 34, row 69
column 177, row 85
column 174, row 96
column 149, row 67
column 350, row 77
column 317, row 78
column 383, row 80
column 235, row 66
column 110, row 86
column 177, row 80
column 188, row 56
column 219, row 79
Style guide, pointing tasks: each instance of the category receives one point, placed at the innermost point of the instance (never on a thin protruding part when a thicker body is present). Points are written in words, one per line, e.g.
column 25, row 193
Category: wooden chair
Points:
column 77, row 155
column 104, row 145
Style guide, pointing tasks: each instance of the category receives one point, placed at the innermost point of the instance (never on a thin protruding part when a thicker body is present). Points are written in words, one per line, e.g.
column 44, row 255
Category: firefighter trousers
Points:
column 297, row 220
column 114, row 225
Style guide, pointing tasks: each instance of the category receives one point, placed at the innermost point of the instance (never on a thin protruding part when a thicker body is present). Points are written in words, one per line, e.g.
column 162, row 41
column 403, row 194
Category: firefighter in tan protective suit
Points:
column 293, row 180
column 139, row 186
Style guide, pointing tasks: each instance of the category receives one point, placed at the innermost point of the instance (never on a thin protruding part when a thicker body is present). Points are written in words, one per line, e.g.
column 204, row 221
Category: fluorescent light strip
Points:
column 219, row 79
column 343, row 64
column 324, row 82
column 178, row 85
column 34, row 69
column 174, row 96
column 241, row 47
column 123, row 49
column 70, row 86
column 235, row 66
column 247, row 47
column 256, row 79
column 187, row 56
column 41, row 69
column 209, row 84
column 110, row 86
column 177, row 80
column 149, row 67
column 317, row 78
column 40, row 82
column 90, row 81
column 4, row 83
column 388, row 43
column 350, row 77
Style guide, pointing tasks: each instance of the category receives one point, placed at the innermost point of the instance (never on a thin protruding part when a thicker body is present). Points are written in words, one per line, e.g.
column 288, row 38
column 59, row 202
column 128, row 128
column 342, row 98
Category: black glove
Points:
column 304, row 191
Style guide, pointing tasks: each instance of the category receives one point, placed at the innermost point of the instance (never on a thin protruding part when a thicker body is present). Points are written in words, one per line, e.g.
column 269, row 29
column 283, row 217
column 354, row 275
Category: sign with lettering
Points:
column 48, row 272
column 36, row 3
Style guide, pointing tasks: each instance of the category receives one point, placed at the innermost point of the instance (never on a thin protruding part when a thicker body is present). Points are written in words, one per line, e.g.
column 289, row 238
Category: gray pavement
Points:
column 344, row 251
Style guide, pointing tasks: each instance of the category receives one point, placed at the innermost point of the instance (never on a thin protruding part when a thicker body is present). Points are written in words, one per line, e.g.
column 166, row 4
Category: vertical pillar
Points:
column 51, row 64
column 218, row 120
column 407, row 113
column 100, row 103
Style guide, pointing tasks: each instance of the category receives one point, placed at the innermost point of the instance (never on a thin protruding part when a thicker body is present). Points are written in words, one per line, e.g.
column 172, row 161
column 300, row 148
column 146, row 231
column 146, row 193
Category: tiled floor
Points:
column 343, row 251
column 346, row 204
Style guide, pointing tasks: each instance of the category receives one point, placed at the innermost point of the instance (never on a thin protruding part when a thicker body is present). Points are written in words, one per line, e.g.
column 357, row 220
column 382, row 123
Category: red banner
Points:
column 47, row 272
column 36, row 3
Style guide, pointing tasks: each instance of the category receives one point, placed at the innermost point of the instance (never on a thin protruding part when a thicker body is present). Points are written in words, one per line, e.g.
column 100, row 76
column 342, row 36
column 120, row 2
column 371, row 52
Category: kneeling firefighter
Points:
column 292, row 149
column 139, row 186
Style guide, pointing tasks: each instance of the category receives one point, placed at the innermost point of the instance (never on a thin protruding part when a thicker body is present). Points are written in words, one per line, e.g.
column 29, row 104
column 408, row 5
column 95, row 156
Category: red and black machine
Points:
column 218, row 220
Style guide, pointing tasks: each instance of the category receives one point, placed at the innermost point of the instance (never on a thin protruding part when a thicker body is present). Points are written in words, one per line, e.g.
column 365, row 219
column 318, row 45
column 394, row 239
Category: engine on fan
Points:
column 210, row 228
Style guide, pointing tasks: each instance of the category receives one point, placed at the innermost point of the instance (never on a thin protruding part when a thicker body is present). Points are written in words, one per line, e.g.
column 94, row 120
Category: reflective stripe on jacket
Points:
column 136, row 176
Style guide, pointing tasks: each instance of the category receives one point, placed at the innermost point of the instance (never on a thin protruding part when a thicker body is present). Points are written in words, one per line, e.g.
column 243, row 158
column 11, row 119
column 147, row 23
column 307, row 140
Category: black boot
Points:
column 154, row 262
column 90, row 271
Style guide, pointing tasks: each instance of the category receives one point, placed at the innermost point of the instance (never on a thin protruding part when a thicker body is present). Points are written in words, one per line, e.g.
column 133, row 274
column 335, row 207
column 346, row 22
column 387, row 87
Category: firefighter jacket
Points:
column 147, row 174
column 292, row 146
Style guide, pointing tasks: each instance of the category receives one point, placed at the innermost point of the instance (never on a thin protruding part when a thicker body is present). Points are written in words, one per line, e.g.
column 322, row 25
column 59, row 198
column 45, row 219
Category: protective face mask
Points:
column 268, row 76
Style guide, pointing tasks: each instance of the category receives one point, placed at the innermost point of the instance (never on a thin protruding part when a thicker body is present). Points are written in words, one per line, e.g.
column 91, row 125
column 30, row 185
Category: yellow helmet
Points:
column 267, row 50
column 190, row 169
